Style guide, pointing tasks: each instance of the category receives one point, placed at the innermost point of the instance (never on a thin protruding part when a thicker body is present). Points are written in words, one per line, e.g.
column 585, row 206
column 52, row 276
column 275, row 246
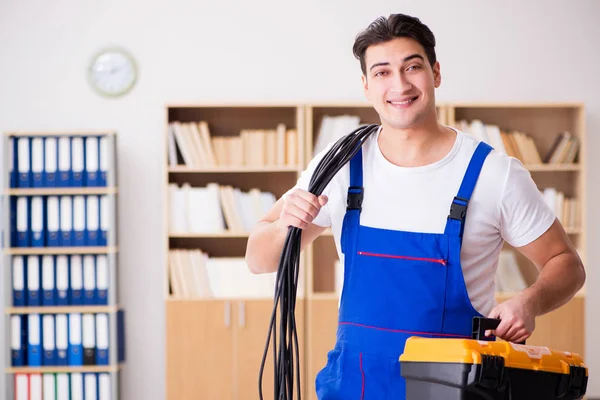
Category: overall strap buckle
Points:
column 458, row 209
column 355, row 198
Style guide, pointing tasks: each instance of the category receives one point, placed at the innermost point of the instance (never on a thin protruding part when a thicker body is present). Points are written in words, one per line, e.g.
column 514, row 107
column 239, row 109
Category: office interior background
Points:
column 268, row 54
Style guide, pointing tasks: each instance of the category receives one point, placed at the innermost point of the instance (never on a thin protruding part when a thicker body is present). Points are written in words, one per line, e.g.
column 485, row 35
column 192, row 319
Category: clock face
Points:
column 112, row 72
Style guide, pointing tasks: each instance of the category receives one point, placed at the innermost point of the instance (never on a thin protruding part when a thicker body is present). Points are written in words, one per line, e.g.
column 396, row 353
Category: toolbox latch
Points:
column 574, row 384
column 492, row 372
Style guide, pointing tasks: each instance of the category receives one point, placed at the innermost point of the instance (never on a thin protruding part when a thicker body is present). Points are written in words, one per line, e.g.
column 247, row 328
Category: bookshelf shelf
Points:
column 62, row 310
column 59, row 250
column 61, row 191
column 221, row 235
column 58, row 370
column 553, row 168
column 231, row 170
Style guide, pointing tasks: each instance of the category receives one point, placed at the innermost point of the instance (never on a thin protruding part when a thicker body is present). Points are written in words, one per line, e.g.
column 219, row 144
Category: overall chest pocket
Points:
column 404, row 291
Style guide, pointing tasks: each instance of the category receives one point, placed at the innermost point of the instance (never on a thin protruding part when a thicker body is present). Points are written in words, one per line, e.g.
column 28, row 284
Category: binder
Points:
column 48, row 340
column 66, row 221
column 92, row 161
column 102, row 279
column 76, row 280
column 19, row 278
column 103, row 181
column 53, row 221
column 104, row 221
column 12, row 162
column 33, row 281
column 88, row 339
column 24, row 161
column 62, row 280
column 64, row 161
column 90, row 386
column 62, row 339
column 49, row 386
column 35, row 387
column 48, row 282
column 79, row 221
column 76, row 386
column 93, row 223
column 23, row 232
column 37, row 162
column 102, row 341
column 63, row 390
column 21, row 387
column 89, row 280
column 13, row 221
column 75, row 350
column 37, row 222
column 104, row 386
column 51, row 162
column 18, row 328
column 34, row 346
column 77, row 161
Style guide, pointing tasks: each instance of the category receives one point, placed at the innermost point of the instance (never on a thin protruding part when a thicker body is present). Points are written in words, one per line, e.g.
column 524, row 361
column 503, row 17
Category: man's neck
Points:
column 418, row 146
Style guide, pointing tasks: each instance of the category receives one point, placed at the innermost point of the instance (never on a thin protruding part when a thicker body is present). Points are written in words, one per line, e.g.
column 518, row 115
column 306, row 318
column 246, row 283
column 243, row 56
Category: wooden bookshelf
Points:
column 193, row 322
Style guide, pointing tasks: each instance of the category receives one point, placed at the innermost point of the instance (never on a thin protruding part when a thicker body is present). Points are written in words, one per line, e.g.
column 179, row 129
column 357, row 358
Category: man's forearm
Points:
column 558, row 281
column 264, row 247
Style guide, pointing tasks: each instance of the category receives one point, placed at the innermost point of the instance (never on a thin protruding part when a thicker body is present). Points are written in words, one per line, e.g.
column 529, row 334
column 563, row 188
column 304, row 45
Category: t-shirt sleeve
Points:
column 324, row 217
column 524, row 213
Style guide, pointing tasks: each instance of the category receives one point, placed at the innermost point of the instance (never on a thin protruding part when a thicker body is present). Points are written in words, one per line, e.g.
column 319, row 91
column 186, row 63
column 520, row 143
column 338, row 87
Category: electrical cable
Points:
column 285, row 352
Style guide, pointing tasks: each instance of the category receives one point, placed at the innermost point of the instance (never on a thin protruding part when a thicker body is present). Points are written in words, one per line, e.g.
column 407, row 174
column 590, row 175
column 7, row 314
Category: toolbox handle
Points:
column 481, row 324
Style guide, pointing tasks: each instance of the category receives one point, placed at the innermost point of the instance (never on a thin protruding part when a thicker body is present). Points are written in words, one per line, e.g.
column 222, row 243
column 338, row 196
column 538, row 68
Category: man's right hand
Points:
column 300, row 208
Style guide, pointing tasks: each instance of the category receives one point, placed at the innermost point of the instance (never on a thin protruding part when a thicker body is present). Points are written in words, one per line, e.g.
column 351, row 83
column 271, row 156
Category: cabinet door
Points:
column 199, row 350
column 322, row 329
column 252, row 319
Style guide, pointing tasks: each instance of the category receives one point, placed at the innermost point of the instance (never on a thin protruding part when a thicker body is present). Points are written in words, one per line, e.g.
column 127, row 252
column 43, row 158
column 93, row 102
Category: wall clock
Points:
column 112, row 72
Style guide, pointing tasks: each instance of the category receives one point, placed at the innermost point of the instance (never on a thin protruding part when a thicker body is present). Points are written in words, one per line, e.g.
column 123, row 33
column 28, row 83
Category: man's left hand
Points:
column 517, row 318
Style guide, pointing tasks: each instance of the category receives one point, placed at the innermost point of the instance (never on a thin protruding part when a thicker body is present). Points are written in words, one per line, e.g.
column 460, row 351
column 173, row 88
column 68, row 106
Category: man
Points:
column 420, row 255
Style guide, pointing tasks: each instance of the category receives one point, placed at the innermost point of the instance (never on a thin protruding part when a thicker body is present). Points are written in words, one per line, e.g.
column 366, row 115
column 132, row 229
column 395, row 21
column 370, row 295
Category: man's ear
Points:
column 365, row 84
column 437, row 77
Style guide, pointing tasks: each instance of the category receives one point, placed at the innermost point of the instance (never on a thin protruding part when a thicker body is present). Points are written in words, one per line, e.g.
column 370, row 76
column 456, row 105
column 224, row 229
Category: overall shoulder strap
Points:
column 458, row 208
column 354, row 203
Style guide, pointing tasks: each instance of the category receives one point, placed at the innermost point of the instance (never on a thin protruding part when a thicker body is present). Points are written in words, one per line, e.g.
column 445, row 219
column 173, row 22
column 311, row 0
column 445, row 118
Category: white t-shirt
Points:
column 506, row 205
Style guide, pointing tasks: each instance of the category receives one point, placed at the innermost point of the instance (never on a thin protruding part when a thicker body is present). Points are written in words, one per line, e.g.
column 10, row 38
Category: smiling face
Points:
column 400, row 83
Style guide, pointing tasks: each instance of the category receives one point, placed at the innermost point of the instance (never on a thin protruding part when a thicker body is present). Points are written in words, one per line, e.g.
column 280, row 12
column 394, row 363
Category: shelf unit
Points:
column 214, row 344
column 202, row 340
column 113, row 311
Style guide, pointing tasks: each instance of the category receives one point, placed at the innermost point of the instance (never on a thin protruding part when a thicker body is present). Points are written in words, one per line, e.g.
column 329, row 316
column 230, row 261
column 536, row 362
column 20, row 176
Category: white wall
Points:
column 268, row 50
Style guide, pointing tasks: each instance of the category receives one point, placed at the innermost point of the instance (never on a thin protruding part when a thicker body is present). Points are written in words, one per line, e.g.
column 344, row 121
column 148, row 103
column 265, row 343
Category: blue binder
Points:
column 37, row 162
column 48, row 340
column 24, row 162
column 79, row 215
column 23, row 224
column 53, row 221
column 62, row 339
column 64, row 161
column 13, row 166
column 102, row 279
column 51, row 162
column 102, row 339
column 75, row 352
column 33, row 281
column 18, row 346
column 104, row 223
column 66, row 221
column 19, row 266
column 62, row 280
column 89, row 280
column 48, row 280
column 34, row 345
column 37, row 214
column 103, row 163
column 76, row 281
column 92, row 160
column 92, row 226
column 77, row 161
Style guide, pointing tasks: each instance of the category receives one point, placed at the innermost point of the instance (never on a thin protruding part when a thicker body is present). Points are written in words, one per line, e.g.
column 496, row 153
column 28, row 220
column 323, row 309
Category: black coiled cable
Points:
column 286, row 355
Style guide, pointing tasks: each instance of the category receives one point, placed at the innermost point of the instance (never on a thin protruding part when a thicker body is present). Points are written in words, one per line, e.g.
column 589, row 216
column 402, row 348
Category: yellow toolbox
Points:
column 476, row 369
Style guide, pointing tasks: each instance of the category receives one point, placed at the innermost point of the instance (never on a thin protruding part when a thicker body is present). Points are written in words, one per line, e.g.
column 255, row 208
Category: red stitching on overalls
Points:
column 434, row 260
column 405, row 331
column 362, row 372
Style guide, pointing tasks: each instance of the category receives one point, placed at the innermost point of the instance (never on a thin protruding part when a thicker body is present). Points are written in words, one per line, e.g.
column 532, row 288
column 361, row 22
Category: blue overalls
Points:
column 397, row 284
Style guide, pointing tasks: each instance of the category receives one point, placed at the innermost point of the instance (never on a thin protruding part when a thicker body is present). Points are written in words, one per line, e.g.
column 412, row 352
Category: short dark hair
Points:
column 395, row 26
